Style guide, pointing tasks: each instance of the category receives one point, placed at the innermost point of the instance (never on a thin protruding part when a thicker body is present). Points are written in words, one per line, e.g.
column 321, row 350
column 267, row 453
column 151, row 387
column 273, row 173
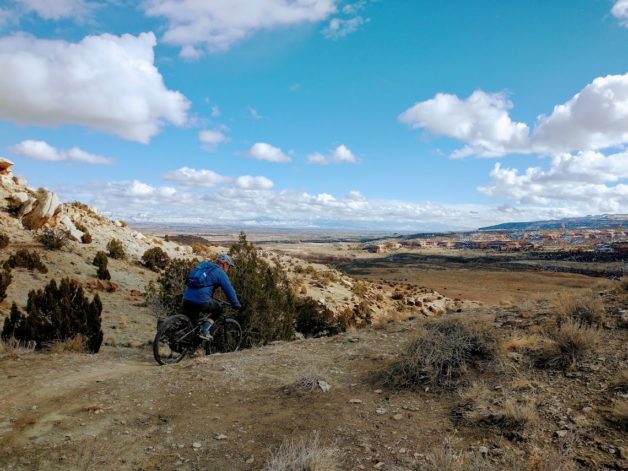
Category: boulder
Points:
column 21, row 196
column 74, row 233
column 47, row 206
column 27, row 207
column 5, row 166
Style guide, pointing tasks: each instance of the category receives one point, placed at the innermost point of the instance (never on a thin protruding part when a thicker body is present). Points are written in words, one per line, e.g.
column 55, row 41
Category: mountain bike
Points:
column 177, row 337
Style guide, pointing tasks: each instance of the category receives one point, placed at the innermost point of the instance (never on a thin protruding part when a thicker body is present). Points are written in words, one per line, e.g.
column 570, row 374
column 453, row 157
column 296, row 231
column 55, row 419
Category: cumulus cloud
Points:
column 105, row 82
column 341, row 154
column 212, row 138
column 215, row 26
column 41, row 150
column 589, row 182
column 186, row 176
column 253, row 113
column 595, row 118
column 620, row 11
column 57, row 9
column 241, row 205
column 340, row 27
column 481, row 120
column 264, row 151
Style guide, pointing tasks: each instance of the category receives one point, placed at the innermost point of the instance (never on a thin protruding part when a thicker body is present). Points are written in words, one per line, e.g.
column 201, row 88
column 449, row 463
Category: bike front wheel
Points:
column 227, row 337
column 173, row 340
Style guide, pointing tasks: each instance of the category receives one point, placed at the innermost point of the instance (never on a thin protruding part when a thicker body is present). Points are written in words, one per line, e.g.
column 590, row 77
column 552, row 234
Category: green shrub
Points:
column 86, row 238
column 116, row 249
column 155, row 259
column 53, row 239
column 57, row 313
column 268, row 303
column 4, row 241
column 315, row 320
column 5, row 281
column 440, row 356
column 101, row 261
column 25, row 259
column 164, row 296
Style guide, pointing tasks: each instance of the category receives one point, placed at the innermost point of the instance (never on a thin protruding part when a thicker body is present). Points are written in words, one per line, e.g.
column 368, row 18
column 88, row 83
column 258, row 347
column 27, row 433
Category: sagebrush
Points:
column 115, row 249
column 26, row 259
column 155, row 259
column 52, row 239
column 100, row 262
column 5, row 281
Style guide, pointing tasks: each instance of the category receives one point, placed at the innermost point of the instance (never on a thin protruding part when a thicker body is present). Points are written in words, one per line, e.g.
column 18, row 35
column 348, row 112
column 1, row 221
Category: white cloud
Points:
column 103, row 82
column 481, row 120
column 254, row 114
column 341, row 154
column 192, row 177
column 248, row 182
column 340, row 27
column 216, row 25
column 186, row 176
column 57, row 9
column 620, row 11
column 579, row 181
column 212, row 138
column 215, row 111
column 264, row 151
column 41, row 150
column 135, row 201
column 595, row 118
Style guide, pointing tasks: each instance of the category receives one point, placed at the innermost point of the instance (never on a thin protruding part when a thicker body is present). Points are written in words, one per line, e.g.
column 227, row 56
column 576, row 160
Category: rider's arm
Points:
column 225, row 285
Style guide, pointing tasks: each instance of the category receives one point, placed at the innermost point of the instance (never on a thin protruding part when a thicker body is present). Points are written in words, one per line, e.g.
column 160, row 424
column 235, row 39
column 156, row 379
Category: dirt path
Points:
column 120, row 411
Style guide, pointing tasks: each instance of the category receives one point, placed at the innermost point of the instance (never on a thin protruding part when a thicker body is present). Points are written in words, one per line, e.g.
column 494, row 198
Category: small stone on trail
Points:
column 219, row 436
column 378, row 391
column 562, row 433
column 380, row 411
column 397, row 416
column 355, row 401
column 324, row 385
column 250, row 460
column 379, row 465
column 196, row 445
column 483, row 450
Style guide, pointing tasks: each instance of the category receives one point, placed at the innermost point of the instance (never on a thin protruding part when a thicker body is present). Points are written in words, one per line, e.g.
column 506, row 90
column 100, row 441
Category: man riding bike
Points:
column 199, row 295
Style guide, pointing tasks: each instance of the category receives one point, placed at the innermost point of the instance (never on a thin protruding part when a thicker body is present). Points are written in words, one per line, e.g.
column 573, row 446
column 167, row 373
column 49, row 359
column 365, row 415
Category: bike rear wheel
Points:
column 174, row 339
column 227, row 337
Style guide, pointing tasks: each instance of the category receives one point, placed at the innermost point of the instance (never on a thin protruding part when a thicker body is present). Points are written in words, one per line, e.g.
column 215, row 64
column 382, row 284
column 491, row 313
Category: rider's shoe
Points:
column 204, row 333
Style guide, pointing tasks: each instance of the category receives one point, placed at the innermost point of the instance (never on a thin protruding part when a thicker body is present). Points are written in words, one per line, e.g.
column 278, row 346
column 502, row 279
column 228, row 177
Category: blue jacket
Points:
column 217, row 277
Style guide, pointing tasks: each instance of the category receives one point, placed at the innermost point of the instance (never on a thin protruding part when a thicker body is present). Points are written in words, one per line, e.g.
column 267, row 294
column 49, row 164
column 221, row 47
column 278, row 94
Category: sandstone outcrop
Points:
column 46, row 206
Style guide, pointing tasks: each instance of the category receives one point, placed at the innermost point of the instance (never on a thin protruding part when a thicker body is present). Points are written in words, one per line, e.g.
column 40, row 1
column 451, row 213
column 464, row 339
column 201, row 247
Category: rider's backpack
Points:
column 199, row 276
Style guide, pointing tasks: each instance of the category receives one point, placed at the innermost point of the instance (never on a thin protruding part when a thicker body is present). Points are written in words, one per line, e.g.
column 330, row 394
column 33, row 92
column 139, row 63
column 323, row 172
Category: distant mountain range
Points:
column 603, row 221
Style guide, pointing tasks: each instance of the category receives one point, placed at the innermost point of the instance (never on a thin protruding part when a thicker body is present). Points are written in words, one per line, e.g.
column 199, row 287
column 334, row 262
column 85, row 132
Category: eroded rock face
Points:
column 69, row 226
column 5, row 166
column 47, row 206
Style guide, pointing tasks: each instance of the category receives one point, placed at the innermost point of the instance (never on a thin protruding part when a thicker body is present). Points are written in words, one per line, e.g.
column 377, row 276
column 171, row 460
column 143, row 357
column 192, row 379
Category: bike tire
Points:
column 168, row 347
column 226, row 337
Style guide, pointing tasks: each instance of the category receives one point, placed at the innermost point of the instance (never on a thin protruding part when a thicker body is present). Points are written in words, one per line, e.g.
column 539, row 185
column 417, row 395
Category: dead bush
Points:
column 305, row 455
column 568, row 344
column 515, row 416
column 308, row 382
column 620, row 384
column 522, row 343
column 5, row 281
column 115, row 249
column 587, row 309
column 155, row 259
column 26, row 259
column 12, row 348
column 441, row 355
column 52, row 239
column 316, row 320
column 4, row 241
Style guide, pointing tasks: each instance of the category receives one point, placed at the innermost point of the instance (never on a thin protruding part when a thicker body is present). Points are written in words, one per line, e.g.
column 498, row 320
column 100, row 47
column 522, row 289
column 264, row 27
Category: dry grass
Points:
column 304, row 455
column 13, row 348
column 567, row 345
column 522, row 343
column 585, row 309
column 620, row 384
column 618, row 415
column 516, row 416
column 308, row 382
column 441, row 355
column 77, row 344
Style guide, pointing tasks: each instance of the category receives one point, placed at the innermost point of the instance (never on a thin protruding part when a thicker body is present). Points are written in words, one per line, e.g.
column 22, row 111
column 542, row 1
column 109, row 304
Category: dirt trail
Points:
column 121, row 411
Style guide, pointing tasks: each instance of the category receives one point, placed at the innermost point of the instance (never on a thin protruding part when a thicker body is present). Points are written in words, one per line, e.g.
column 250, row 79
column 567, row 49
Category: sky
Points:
column 399, row 115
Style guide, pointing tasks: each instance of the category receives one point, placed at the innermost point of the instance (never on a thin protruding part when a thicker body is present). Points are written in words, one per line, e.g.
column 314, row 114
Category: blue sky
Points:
column 320, row 113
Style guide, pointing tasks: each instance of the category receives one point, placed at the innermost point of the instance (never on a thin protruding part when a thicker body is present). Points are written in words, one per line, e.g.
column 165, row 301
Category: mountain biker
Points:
column 197, row 300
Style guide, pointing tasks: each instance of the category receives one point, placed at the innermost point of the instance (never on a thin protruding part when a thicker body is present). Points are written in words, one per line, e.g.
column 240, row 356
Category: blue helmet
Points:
column 226, row 259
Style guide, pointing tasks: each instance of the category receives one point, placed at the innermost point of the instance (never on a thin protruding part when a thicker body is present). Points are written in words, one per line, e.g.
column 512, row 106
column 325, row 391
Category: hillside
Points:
column 604, row 221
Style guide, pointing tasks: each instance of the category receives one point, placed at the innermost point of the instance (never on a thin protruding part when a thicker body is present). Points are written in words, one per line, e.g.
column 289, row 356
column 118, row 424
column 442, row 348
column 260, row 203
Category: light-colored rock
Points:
column 73, row 232
column 136, row 235
column 19, row 181
column 26, row 207
column 324, row 385
column 21, row 196
column 196, row 445
column 47, row 206
column 5, row 166
column 355, row 401
column 219, row 436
